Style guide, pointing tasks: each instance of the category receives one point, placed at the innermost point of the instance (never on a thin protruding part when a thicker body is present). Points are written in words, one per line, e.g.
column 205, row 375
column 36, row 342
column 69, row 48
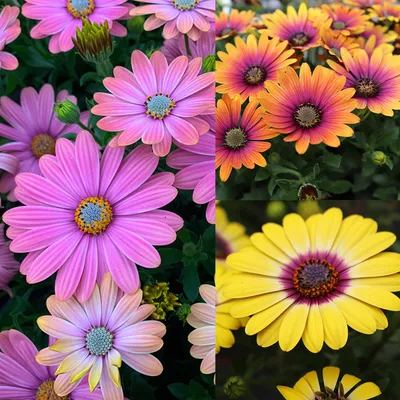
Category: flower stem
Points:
column 189, row 53
column 105, row 68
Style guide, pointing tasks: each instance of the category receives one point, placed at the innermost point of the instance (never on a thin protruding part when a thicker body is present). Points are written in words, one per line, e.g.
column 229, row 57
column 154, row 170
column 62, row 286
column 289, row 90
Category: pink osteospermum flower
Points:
column 96, row 336
column 8, row 265
column 89, row 214
column 202, row 317
column 21, row 377
column 60, row 19
column 9, row 31
column 157, row 102
column 203, row 47
column 197, row 170
column 189, row 17
column 33, row 128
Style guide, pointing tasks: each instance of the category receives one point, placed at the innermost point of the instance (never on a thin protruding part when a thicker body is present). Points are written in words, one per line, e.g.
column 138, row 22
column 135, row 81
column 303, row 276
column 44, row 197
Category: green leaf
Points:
column 179, row 390
column 386, row 193
column 191, row 282
column 277, row 170
column 389, row 163
column 88, row 77
column 170, row 256
column 262, row 174
column 332, row 160
column 184, row 235
column 336, row 187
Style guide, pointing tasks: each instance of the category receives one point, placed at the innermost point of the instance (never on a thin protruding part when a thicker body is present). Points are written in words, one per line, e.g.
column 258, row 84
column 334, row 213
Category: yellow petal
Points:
column 270, row 335
column 328, row 229
column 290, row 394
column 67, row 345
column 390, row 283
column 380, row 265
column 293, row 326
column 221, row 219
column 95, row 373
column 72, row 361
column 330, row 376
column 304, row 387
column 265, row 245
column 296, row 231
column 312, row 378
column 380, row 317
column 375, row 296
column 365, row 391
column 312, row 224
column 82, row 369
column 276, row 234
column 335, row 326
column 349, row 381
column 262, row 319
column 227, row 321
column 224, row 337
column 358, row 315
column 313, row 336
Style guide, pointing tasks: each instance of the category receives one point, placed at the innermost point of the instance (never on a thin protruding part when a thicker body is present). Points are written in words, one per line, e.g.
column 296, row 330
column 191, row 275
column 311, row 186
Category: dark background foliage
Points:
column 185, row 264
column 372, row 358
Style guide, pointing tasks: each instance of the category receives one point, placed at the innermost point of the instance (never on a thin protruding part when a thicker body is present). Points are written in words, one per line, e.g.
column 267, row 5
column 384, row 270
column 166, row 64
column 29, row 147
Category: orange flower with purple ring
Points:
column 370, row 44
column 381, row 33
column 232, row 24
column 240, row 137
column 385, row 12
column 311, row 108
column 366, row 3
column 333, row 43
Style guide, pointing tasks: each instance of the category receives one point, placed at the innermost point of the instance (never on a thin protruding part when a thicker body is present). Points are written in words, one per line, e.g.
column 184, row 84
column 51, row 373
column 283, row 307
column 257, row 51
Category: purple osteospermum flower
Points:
column 157, row 102
column 189, row 17
column 173, row 48
column 33, row 128
column 59, row 19
column 89, row 214
column 8, row 265
column 22, row 378
column 197, row 170
column 9, row 31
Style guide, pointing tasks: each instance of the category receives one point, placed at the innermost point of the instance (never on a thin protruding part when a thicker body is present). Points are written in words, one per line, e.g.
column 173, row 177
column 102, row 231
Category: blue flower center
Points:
column 99, row 341
column 159, row 105
column 185, row 5
column 80, row 8
column 93, row 215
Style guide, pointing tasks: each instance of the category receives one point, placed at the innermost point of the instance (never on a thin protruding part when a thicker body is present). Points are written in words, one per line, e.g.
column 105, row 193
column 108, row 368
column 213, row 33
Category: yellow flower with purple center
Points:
column 240, row 137
column 382, row 33
column 311, row 108
column 310, row 279
column 385, row 12
column 245, row 66
column 375, row 79
column 345, row 20
column 348, row 388
column 333, row 43
column 227, row 25
column 295, row 27
column 93, row 338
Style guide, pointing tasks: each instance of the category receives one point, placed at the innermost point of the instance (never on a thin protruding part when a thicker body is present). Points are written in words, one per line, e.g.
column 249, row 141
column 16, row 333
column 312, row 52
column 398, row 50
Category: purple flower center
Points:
column 99, row 341
column 299, row 39
column 159, row 105
column 307, row 115
column 222, row 248
column 185, row 5
column 93, row 215
column 80, row 8
column 255, row 75
column 235, row 138
column 43, row 144
column 46, row 392
column 366, row 88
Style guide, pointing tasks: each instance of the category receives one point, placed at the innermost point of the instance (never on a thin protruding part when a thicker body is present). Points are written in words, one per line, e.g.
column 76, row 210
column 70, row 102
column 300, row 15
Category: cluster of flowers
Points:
column 309, row 279
column 302, row 74
column 93, row 215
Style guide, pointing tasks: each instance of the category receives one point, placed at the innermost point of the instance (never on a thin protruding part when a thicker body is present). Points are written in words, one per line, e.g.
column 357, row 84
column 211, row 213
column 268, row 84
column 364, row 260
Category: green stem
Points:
column 189, row 53
column 105, row 68
column 84, row 127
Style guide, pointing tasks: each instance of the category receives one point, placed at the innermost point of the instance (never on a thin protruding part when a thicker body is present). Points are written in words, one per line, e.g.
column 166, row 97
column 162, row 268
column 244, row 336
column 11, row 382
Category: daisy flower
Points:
column 385, row 12
column 176, row 47
column 312, row 279
column 312, row 108
column 240, row 137
column 366, row 3
column 89, row 214
column 197, row 170
column 9, row 31
column 202, row 317
column 61, row 19
column 333, row 43
column 8, row 265
column 245, row 66
column 381, row 33
column 32, row 128
column 308, row 387
column 296, row 28
column 227, row 25
column 157, row 102
column 22, row 377
column 345, row 20
column 369, row 45
column 96, row 336
column 375, row 79
column 189, row 17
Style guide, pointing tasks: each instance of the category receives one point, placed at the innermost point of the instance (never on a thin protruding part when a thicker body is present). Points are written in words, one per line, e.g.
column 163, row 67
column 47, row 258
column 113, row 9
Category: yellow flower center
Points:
column 299, row 39
column 307, row 115
column 159, row 105
column 235, row 138
column 46, row 392
column 93, row 215
column 80, row 8
column 315, row 278
column 43, row 144
column 255, row 75
column 366, row 87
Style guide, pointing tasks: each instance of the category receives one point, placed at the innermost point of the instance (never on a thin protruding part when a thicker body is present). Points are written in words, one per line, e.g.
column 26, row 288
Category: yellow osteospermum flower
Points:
column 308, row 387
column 311, row 279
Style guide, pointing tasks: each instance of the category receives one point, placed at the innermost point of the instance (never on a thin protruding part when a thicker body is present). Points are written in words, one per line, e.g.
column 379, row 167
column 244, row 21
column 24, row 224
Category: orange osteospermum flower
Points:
column 366, row 3
column 381, row 33
column 232, row 24
column 371, row 44
column 240, row 137
column 333, row 43
column 245, row 66
column 385, row 12
column 311, row 108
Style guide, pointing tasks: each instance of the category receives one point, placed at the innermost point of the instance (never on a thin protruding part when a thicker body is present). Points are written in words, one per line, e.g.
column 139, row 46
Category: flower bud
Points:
column 308, row 192
column 183, row 312
column 235, row 387
column 136, row 25
column 274, row 158
column 276, row 209
column 378, row 158
column 67, row 112
column 209, row 63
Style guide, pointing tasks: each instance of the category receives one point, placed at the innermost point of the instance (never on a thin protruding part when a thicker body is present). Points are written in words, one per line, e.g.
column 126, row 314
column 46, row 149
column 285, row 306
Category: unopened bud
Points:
column 67, row 112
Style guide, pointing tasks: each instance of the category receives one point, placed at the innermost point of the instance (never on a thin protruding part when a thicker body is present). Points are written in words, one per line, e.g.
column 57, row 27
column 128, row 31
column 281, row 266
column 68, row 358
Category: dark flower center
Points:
column 227, row 31
column 315, row 278
column 222, row 248
column 80, row 8
column 235, row 138
column 366, row 87
column 46, row 392
column 43, row 144
column 93, row 215
column 339, row 25
column 307, row 115
column 329, row 394
column 308, row 192
column 300, row 39
column 255, row 75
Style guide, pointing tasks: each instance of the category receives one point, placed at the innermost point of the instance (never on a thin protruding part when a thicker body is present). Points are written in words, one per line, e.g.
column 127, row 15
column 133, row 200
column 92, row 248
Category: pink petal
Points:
column 108, row 294
column 144, row 72
column 145, row 364
column 125, row 308
column 92, row 307
column 138, row 344
column 109, row 166
column 181, row 130
column 58, row 327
